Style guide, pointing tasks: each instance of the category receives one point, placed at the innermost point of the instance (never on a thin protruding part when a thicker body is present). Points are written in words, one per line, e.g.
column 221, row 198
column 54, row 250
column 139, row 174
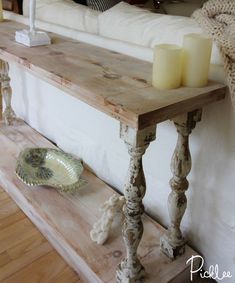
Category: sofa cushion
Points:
column 65, row 13
column 132, row 24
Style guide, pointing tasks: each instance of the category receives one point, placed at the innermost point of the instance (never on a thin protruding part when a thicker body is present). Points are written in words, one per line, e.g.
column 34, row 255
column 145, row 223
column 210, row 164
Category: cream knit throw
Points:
column 217, row 18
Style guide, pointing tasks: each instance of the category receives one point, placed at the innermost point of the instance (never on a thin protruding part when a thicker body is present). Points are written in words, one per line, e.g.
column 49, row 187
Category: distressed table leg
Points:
column 130, row 269
column 6, row 91
column 172, row 242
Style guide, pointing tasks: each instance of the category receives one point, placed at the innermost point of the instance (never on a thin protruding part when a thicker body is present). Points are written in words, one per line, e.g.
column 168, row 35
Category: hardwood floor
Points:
column 25, row 255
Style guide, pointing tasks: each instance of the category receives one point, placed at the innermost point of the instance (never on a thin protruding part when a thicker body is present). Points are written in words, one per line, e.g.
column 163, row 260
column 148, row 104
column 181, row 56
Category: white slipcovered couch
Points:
column 209, row 222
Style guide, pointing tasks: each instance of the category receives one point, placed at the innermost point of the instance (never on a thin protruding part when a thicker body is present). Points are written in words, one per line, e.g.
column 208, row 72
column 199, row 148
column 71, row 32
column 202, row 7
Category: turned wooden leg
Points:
column 130, row 269
column 6, row 91
column 172, row 242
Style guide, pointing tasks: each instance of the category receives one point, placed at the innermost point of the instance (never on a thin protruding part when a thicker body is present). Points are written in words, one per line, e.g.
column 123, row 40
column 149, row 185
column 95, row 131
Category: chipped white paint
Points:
column 130, row 269
column 172, row 242
column 111, row 208
column 6, row 91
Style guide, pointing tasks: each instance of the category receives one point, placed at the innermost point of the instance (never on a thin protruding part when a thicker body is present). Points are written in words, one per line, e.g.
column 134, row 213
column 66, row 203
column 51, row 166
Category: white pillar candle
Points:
column 196, row 59
column 167, row 66
column 1, row 12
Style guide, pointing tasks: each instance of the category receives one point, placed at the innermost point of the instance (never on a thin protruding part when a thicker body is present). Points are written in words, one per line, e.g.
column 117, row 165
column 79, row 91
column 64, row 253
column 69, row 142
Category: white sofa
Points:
column 209, row 223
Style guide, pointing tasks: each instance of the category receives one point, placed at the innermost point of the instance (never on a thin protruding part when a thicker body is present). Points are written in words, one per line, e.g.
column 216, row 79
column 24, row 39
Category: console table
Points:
column 119, row 86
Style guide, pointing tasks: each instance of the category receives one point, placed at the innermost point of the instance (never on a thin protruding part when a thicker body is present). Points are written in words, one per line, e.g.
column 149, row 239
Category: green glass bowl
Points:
column 49, row 167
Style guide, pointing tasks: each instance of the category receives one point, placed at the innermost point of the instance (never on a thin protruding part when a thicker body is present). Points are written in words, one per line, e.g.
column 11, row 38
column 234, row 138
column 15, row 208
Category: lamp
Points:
column 32, row 37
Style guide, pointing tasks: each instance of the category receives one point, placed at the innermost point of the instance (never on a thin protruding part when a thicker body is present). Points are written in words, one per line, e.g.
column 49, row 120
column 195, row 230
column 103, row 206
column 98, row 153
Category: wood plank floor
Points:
column 25, row 255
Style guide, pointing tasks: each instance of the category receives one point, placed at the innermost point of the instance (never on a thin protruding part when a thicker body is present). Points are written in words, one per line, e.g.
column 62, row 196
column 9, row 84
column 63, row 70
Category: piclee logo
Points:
column 213, row 272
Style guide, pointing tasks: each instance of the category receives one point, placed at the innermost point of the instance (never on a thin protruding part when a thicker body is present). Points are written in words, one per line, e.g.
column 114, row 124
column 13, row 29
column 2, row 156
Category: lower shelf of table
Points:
column 66, row 220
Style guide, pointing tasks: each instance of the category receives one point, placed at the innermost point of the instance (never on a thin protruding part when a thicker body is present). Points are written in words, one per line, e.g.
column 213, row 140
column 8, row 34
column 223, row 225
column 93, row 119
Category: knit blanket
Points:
column 217, row 18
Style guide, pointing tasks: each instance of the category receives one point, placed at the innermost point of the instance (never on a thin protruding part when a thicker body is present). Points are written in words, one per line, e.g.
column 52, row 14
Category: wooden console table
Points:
column 119, row 86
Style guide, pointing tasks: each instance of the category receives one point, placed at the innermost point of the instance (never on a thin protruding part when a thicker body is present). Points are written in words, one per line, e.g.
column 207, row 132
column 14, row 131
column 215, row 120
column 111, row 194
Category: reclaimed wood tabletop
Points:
column 113, row 83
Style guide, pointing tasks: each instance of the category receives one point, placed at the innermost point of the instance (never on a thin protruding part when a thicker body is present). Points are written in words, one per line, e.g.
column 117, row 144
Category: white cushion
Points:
column 65, row 13
column 132, row 24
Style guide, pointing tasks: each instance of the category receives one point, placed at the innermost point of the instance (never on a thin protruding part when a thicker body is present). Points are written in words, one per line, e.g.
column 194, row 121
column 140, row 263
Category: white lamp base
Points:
column 30, row 39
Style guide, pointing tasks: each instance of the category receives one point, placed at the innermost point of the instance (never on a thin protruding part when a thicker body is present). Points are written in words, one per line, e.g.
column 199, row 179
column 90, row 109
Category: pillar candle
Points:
column 196, row 60
column 1, row 12
column 167, row 66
